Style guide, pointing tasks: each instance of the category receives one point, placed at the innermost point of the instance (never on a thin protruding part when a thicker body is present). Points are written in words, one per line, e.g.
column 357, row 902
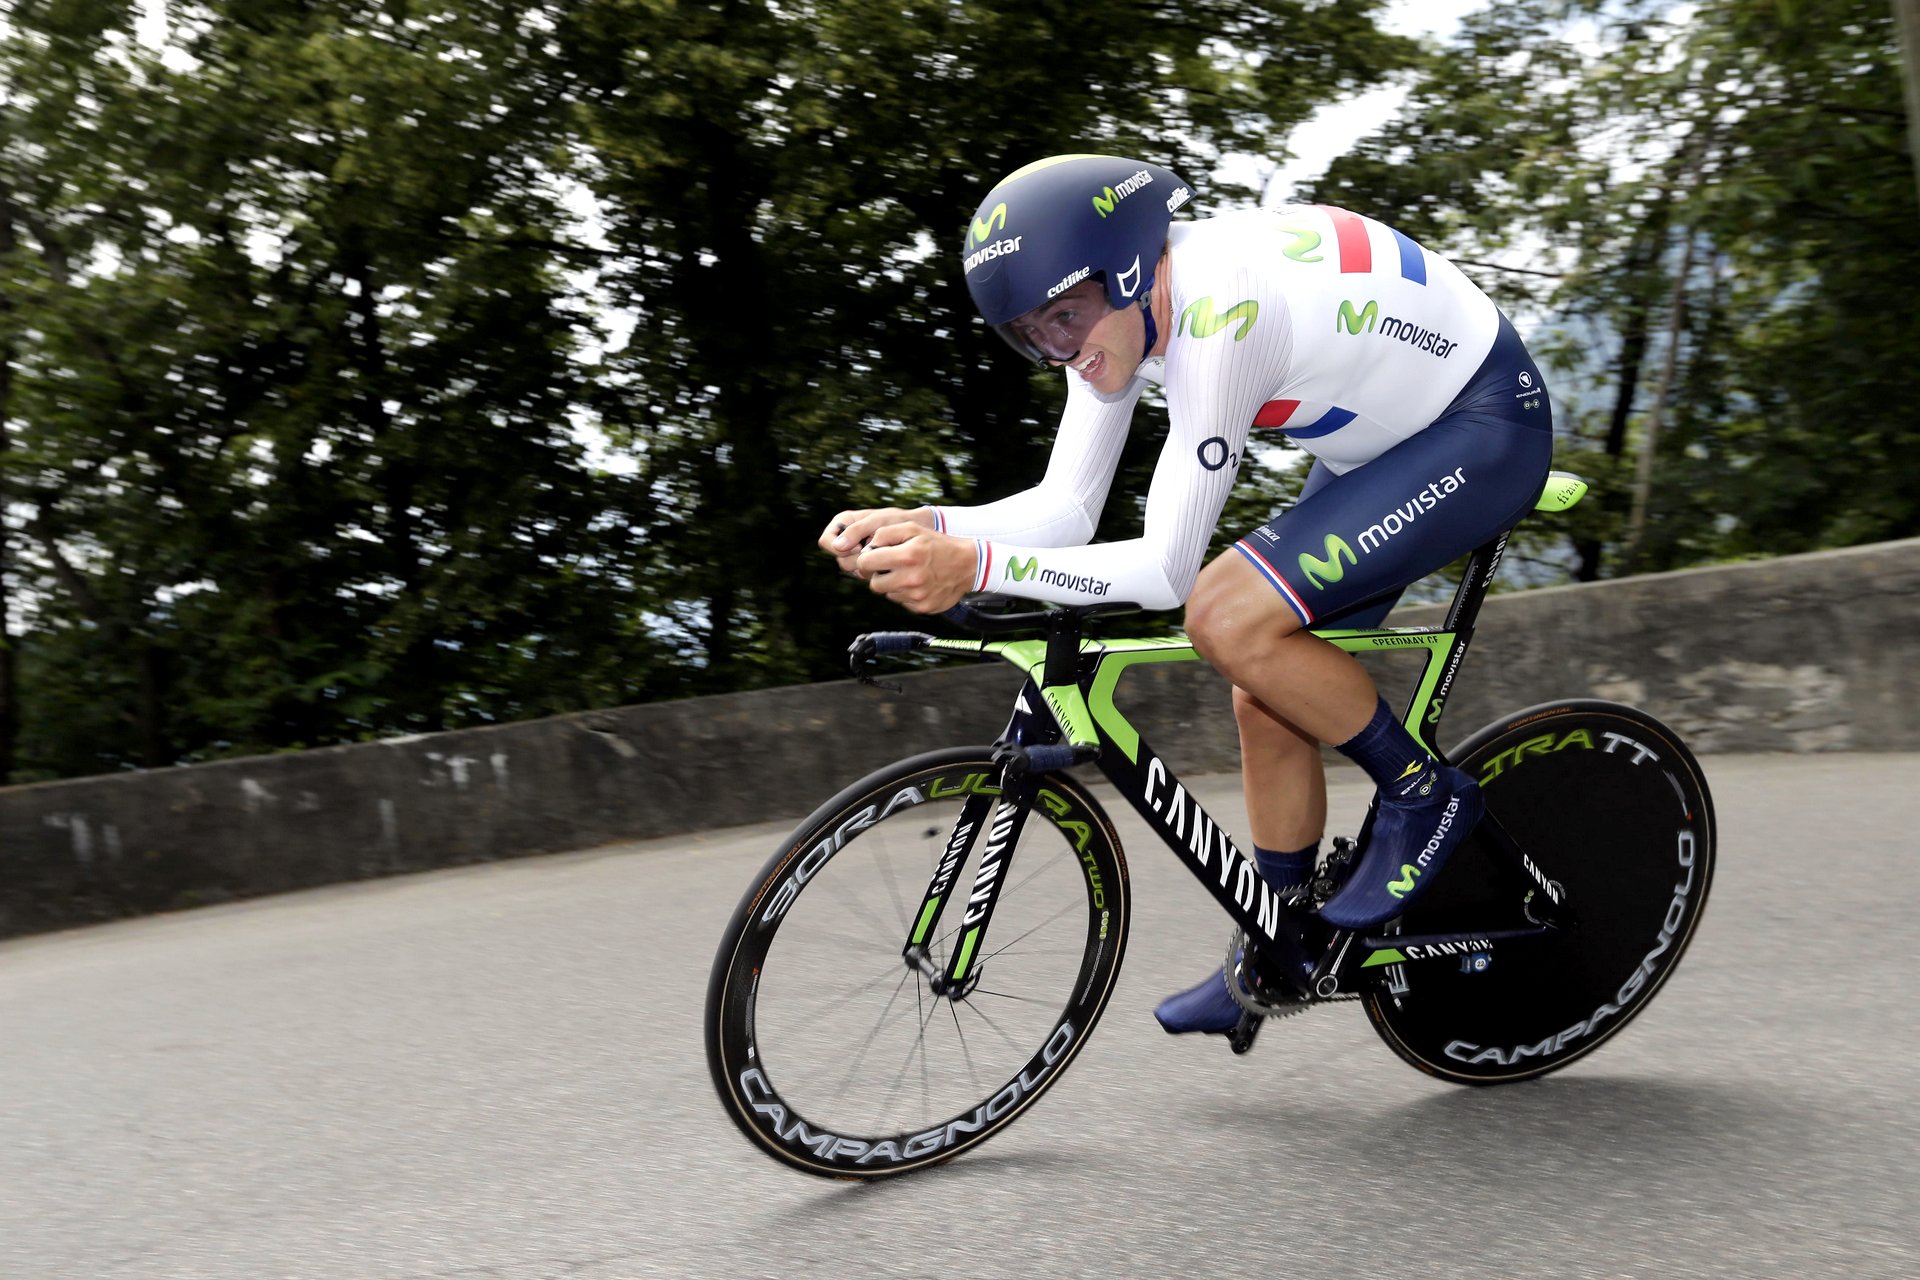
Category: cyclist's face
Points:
column 1058, row 328
column 1081, row 328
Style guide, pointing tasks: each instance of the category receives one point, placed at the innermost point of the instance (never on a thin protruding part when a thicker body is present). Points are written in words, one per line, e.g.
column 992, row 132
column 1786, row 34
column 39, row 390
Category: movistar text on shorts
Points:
column 1375, row 535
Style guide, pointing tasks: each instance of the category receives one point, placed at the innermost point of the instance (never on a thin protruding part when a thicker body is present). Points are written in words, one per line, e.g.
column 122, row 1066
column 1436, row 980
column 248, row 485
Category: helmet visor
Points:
column 1054, row 331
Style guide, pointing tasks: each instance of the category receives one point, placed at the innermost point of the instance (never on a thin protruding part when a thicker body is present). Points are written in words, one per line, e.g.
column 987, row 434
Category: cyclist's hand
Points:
column 848, row 533
column 927, row 572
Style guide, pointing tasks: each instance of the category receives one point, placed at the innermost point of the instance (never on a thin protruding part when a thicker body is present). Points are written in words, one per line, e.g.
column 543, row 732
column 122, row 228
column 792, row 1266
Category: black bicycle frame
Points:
column 1050, row 708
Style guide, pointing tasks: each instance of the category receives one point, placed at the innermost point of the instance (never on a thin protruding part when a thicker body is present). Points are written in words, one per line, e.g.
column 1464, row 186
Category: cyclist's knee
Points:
column 1232, row 610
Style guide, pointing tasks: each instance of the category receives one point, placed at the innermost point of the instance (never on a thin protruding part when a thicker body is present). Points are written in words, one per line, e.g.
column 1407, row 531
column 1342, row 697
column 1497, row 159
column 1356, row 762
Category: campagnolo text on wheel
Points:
column 932, row 947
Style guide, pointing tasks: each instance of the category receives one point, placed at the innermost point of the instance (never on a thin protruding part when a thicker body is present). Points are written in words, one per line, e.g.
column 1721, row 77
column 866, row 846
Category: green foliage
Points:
column 290, row 453
column 298, row 316
column 785, row 203
column 303, row 325
column 1598, row 142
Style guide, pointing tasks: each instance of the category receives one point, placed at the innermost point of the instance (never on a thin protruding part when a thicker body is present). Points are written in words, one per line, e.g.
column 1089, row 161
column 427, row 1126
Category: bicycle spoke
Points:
column 856, row 1042
column 996, row 1027
column 867, row 1044
column 1066, row 910
column 901, row 911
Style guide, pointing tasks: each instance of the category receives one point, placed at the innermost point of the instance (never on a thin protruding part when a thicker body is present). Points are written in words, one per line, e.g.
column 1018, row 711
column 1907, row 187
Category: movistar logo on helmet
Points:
column 1332, row 568
column 984, row 227
column 1199, row 319
column 1105, row 202
column 980, row 233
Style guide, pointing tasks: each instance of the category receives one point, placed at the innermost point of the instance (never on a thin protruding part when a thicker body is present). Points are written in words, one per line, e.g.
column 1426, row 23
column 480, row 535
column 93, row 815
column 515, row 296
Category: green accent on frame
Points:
column 967, row 944
column 1113, row 664
column 1070, row 709
column 1388, row 956
column 1439, row 647
column 927, row 913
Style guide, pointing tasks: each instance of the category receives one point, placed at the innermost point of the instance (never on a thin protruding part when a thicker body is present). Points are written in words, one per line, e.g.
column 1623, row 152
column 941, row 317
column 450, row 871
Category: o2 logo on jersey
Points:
column 1214, row 454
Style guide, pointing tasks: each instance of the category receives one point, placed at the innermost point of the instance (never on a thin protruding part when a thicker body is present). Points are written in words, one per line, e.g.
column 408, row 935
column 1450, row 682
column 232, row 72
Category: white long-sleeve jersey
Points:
column 1335, row 329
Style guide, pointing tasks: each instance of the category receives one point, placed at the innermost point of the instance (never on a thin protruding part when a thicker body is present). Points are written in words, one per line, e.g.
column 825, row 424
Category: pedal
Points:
column 1241, row 1037
column 1334, row 868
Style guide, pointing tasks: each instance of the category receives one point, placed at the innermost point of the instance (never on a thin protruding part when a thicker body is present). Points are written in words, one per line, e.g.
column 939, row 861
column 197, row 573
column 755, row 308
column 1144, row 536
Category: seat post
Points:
column 1472, row 591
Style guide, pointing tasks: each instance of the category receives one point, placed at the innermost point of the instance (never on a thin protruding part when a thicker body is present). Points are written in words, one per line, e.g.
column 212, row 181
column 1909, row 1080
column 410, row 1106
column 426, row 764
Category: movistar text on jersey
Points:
column 1364, row 319
column 1065, row 581
column 1416, row 337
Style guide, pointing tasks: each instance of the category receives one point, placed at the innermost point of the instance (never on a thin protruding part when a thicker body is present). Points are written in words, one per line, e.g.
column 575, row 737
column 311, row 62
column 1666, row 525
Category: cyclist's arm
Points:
column 1215, row 385
column 1063, row 510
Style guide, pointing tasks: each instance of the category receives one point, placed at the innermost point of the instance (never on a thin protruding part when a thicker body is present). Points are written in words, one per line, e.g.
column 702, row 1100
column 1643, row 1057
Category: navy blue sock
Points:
column 1285, row 870
column 1397, row 763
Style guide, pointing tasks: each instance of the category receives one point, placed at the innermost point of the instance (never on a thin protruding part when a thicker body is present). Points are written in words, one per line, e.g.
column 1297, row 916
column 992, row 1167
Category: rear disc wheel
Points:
column 1610, row 804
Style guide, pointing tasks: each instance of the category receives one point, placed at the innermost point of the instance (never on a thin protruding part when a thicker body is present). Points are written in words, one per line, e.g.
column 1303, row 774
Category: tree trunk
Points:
column 9, row 707
column 1635, row 334
column 1650, row 436
column 1906, row 15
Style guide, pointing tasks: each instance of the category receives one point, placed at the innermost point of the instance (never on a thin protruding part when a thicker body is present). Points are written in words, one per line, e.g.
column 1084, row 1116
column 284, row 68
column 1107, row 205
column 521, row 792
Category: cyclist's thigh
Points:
column 1355, row 538
column 1368, row 613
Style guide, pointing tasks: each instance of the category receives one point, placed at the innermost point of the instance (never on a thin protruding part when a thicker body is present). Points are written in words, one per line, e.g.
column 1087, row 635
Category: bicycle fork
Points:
column 1001, row 813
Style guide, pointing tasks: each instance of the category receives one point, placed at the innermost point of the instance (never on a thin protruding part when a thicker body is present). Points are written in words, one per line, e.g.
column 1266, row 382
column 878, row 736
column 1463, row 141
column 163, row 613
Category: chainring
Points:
column 1250, row 993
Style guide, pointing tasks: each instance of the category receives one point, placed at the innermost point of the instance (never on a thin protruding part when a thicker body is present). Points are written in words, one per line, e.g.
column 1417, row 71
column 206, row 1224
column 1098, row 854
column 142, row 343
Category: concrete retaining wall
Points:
column 1807, row 653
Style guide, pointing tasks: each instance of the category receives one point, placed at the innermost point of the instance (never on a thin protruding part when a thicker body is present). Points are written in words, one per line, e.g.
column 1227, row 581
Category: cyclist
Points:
column 1428, row 422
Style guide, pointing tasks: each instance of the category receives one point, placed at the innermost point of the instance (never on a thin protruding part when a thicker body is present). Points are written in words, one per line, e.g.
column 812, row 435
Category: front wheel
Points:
column 1609, row 803
column 830, row 1048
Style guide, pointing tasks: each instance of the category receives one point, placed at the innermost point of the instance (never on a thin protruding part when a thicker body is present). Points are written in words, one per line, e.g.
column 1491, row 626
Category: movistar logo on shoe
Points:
column 1410, row 871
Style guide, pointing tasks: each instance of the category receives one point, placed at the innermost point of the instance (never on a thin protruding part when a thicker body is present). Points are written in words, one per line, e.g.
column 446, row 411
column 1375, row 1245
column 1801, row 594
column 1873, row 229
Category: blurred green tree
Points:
column 302, row 346
column 293, row 360
column 1714, row 206
column 786, row 185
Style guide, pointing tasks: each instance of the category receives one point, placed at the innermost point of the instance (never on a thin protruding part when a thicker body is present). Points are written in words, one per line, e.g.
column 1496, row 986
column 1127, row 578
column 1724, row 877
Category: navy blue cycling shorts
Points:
column 1344, row 552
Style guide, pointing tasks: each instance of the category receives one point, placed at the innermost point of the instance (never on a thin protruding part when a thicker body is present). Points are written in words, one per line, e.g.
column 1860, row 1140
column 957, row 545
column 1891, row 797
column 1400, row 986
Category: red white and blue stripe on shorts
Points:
column 1272, row 575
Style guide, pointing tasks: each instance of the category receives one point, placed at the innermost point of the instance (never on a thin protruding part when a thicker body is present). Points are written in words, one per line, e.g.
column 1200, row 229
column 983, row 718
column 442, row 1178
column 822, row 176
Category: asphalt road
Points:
column 498, row 1072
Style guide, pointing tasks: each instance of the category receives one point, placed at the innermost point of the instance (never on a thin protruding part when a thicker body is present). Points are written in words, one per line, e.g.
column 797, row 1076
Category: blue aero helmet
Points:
column 1062, row 243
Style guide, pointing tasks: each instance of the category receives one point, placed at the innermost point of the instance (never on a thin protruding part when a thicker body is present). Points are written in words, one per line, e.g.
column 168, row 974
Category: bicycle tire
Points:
column 830, row 1051
column 1610, row 803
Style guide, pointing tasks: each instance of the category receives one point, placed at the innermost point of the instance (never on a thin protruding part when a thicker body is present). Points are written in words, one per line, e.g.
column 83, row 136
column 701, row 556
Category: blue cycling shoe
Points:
column 1209, row 1007
column 1409, row 845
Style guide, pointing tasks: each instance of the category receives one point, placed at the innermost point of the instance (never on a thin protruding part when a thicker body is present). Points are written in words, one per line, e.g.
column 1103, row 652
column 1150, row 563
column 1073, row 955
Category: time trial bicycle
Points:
column 929, row 950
